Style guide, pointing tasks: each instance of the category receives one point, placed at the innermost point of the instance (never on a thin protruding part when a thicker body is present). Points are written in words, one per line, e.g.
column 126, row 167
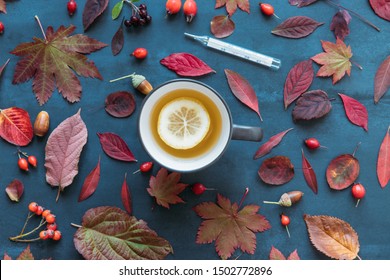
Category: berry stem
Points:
column 357, row 147
column 133, row 6
column 29, row 215
column 40, row 26
column 354, row 13
column 27, row 240
column 17, row 238
column 357, row 203
column 288, row 232
column 243, row 197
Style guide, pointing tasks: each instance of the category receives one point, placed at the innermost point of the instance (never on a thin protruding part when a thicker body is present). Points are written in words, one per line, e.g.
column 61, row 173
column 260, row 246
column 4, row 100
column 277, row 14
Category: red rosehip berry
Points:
column 72, row 7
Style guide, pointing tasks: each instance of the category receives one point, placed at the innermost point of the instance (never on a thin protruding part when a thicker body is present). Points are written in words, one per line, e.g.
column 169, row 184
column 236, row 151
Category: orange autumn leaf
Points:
column 335, row 60
column 333, row 237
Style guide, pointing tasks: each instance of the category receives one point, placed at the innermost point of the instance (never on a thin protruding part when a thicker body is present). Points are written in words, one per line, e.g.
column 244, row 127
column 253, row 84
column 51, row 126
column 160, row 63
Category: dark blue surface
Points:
column 236, row 169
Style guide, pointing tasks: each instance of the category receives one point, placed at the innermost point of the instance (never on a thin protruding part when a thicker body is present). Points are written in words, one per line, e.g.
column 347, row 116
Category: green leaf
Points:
column 109, row 233
column 116, row 11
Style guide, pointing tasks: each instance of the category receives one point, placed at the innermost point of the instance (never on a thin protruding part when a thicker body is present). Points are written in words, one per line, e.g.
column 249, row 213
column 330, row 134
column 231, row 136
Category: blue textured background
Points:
column 236, row 169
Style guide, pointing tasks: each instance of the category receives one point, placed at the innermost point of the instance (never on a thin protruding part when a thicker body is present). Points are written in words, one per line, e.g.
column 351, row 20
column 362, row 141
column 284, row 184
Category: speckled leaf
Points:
column 63, row 150
column 243, row 90
column 381, row 8
column 296, row 27
column 312, row 105
column 126, row 196
column 301, row 3
column 222, row 26
column 270, row 144
column 277, row 170
column 229, row 226
column 15, row 126
column 15, row 190
column 298, row 81
column 115, row 147
column 186, row 65
column 120, row 104
column 90, row 183
column 309, row 174
column 339, row 25
column 231, row 5
column 342, row 171
column 109, row 233
column 356, row 112
column 333, row 237
column 92, row 10
column 117, row 40
column 382, row 80
column 383, row 163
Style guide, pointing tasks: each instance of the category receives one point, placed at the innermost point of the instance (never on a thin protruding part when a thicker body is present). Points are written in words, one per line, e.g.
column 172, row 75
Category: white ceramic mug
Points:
column 228, row 131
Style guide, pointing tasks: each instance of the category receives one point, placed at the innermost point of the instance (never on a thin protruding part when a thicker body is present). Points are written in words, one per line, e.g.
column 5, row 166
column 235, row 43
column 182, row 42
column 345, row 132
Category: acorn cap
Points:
column 137, row 79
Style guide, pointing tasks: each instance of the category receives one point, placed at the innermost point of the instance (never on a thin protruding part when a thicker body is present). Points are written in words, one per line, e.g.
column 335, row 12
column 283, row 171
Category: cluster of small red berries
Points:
column 72, row 7
column 50, row 220
column 139, row 16
column 23, row 163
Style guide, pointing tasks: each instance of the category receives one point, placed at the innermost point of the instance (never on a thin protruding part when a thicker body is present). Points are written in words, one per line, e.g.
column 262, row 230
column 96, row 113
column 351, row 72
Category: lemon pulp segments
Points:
column 183, row 123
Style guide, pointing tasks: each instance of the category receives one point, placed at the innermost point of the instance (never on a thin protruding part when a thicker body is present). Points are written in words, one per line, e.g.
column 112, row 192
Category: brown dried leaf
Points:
column 333, row 237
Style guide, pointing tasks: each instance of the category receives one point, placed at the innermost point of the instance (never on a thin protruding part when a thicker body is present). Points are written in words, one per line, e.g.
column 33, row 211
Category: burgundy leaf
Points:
column 222, row 26
column 381, row 8
column 117, row 41
column 301, row 3
column 340, row 23
column 383, row 163
column 3, row 67
column 309, row 174
column 342, row 171
column 92, row 10
column 120, row 104
column 296, row 27
column 115, row 147
column 15, row 190
column 90, row 183
column 186, row 64
column 355, row 111
column 382, row 80
column 243, row 90
column 126, row 197
column 312, row 105
column 270, row 144
column 277, row 170
column 298, row 81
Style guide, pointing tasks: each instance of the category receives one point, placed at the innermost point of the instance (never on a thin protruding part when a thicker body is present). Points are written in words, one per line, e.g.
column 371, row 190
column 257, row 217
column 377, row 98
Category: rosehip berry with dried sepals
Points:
column 267, row 9
column 190, row 9
column 23, row 164
column 1, row 27
column 72, row 7
column 43, row 235
column 52, row 226
column 33, row 207
column 358, row 192
column 313, row 143
column 140, row 53
column 32, row 160
column 50, row 218
column 57, row 235
column 145, row 167
column 199, row 188
column 50, row 233
column 285, row 221
column 172, row 6
column 39, row 210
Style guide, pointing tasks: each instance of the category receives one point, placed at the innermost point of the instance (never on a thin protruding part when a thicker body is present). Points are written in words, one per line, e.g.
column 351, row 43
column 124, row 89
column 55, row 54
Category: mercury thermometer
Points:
column 256, row 57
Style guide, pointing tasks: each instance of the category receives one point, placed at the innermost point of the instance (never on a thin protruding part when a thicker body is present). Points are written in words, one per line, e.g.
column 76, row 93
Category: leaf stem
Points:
column 75, row 225
column 357, row 147
column 58, row 193
column 355, row 14
column 271, row 202
column 356, row 64
column 40, row 25
column 359, row 257
column 243, row 197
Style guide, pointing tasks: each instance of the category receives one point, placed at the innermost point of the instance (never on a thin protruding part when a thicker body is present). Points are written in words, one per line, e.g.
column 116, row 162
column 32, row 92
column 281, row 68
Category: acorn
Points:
column 287, row 199
column 41, row 124
column 139, row 83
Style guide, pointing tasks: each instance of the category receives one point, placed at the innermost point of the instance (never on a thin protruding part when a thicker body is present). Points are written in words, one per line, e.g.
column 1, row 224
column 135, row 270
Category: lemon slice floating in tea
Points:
column 183, row 123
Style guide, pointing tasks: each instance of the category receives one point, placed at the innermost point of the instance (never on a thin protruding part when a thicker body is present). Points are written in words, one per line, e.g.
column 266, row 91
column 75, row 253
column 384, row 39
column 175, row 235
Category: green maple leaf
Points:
column 53, row 60
column 231, row 5
column 335, row 60
column 166, row 188
column 229, row 227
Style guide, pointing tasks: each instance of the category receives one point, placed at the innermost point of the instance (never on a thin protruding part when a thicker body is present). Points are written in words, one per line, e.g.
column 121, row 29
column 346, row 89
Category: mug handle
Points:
column 247, row 133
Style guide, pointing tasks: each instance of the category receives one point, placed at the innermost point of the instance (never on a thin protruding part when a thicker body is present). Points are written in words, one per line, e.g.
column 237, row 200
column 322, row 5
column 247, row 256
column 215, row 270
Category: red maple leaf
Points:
column 53, row 60
column 229, row 227
column 166, row 188
column 231, row 5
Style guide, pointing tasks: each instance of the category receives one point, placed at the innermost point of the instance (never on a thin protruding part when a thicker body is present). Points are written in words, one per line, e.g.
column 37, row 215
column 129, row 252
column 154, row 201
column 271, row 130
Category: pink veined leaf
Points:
column 309, row 174
column 243, row 90
column 383, row 163
column 298, row 81
column 382, row 80
column 90, row 183
column 270, row 144
column 296, row 27
column 63, row 150
column 340, row 23
column 115, row 147
column 15, row 190
column 186, row 65
column 356, row 112
column 126, row 197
